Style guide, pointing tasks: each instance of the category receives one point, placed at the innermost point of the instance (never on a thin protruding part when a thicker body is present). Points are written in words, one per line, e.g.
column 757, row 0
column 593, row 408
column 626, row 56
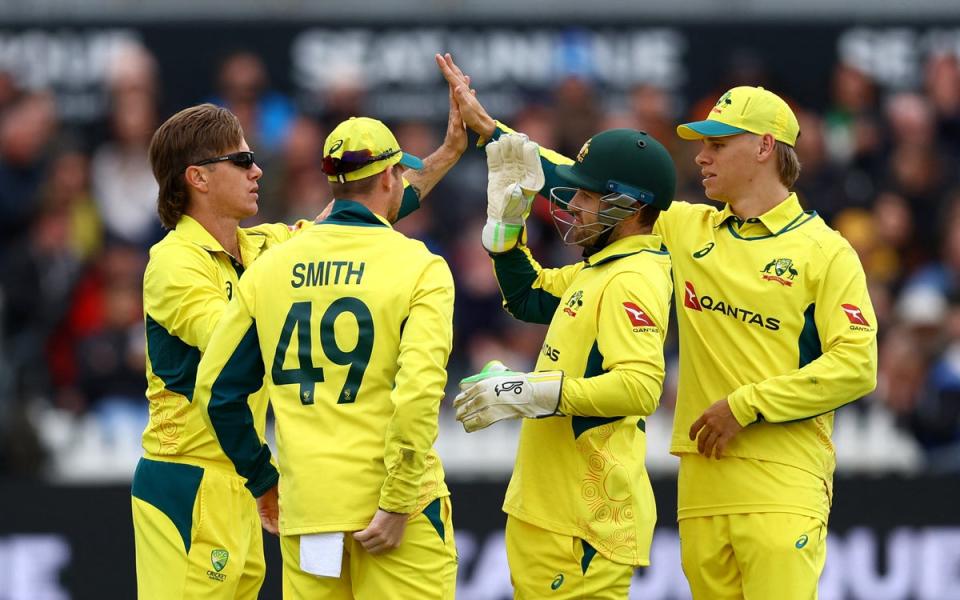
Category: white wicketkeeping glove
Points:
column 513, row 180
column 497, row 393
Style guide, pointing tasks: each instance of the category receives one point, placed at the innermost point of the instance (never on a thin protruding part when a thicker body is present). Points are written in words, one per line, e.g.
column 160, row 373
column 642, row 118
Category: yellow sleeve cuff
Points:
column 740, row 407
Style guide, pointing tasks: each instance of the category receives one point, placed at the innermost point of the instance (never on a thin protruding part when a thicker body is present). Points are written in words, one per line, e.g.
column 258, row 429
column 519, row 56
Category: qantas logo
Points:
column 698, row 303
column 636, row 315
column 854, row 314
column 690, row 298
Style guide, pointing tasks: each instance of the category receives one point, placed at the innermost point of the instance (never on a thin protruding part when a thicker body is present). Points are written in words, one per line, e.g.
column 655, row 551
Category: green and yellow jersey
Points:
column 349, row 328
column 774, row 315
column 188, row 282
column 583, row 474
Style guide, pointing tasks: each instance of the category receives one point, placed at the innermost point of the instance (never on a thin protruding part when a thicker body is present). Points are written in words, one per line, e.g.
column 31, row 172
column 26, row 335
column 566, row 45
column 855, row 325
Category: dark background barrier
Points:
column 890, row 539
column 510, row 63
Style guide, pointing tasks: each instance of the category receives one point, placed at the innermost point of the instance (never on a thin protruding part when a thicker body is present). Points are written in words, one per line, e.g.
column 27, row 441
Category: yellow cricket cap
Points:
column 746, row 109
column 361, row 147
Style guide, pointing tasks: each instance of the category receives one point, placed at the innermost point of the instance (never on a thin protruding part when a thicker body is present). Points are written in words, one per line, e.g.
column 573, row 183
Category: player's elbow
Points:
column 866, row 380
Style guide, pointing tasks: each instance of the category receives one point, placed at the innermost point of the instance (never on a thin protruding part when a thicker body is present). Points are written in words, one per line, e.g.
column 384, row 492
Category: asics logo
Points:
column 704, row 251
column 557, row 582
column 508, row 386
column 802, row 541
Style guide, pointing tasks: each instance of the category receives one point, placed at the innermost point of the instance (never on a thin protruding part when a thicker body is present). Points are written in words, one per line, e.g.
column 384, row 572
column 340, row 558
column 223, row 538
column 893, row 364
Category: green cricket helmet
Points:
column 629, row 168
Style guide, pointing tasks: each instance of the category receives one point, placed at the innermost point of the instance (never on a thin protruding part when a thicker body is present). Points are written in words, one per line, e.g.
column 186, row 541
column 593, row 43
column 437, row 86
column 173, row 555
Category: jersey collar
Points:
column 350, row 212
column 775, row 220
column 191, row 230
column 628, row 246
column 250, row 243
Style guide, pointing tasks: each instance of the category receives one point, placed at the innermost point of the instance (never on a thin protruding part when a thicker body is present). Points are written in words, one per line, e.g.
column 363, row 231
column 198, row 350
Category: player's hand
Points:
column 714, row 429
column 472, row 112
column 514, row 177
column 497, row 393
column 268, row 505
column 455, row 139
column 384, row 533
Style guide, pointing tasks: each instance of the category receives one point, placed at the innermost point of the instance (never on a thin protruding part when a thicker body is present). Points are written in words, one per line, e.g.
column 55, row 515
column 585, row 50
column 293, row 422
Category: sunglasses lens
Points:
column 243, row 159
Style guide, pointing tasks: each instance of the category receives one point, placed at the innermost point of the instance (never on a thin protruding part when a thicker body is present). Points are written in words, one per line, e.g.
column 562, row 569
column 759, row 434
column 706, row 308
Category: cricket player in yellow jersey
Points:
column 350, row 326
column 777, row 331
column 196, row 528
column 580, row 507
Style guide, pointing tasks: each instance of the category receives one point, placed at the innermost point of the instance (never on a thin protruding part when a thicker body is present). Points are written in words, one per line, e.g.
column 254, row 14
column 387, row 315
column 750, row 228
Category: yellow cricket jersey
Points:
column 583, row 474
column 188, row 282
column 349, row 326
column 774, row 315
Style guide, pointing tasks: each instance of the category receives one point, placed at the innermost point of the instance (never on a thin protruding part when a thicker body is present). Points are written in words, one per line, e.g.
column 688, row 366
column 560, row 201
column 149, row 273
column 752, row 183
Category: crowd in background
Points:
column 77, row 214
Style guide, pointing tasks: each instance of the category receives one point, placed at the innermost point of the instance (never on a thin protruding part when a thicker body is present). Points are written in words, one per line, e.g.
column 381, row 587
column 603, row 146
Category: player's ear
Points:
column 196, row 178
column 767, row 147
column 391, row 177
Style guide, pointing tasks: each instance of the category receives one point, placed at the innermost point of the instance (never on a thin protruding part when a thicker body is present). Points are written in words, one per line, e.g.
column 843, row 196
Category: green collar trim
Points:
column 798, row 221
column 350, row 212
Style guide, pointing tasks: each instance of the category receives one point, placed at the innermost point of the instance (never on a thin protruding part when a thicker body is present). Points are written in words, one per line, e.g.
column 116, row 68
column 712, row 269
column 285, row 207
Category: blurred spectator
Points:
column 296, row 188
column 943, row 90
column 123, row 184
column 110, row 358
column 26, row 130
column 68, row 189
column 343, row 95
column 819, row 185
column 577, row 114
column 266, row 115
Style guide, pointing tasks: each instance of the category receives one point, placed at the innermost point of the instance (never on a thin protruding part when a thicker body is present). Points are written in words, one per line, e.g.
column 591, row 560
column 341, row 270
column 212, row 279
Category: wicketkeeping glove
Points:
column 497, row 393
column 513, row 180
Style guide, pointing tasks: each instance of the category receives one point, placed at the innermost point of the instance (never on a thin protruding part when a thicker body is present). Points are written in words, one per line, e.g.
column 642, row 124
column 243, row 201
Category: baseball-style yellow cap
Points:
column 746, row 109
column 361, row 147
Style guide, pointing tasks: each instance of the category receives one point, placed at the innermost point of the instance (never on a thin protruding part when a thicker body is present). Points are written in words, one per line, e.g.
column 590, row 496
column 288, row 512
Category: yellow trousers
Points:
column 753, row 556
column 423, row 567
column 544, row 564
column 197, row 534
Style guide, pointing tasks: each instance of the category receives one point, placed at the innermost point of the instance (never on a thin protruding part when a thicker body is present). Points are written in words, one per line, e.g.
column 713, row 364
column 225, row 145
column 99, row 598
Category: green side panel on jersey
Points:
column 232, row 419
column 172, row 360
column 516, row 275
column 432, row 512
column 809, row 341
column 588, row 553
column 594, row 368
column 172, row 489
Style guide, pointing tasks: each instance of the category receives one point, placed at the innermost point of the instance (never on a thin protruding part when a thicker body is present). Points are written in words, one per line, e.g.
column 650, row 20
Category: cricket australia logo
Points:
column 218, row 558
column 781, row 267
column 574, row 303
column 583, row 152
column 724, row 101
column 508, row 386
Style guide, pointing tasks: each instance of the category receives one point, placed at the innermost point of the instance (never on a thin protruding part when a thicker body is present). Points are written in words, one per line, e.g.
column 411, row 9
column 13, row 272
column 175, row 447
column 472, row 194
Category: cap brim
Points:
column 411, row 162
column 709, row 128
column 569, row 176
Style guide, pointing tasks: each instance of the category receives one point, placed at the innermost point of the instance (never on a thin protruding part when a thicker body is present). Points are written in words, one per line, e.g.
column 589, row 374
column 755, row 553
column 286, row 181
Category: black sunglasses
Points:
column 352, row 160
column 243, row 159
